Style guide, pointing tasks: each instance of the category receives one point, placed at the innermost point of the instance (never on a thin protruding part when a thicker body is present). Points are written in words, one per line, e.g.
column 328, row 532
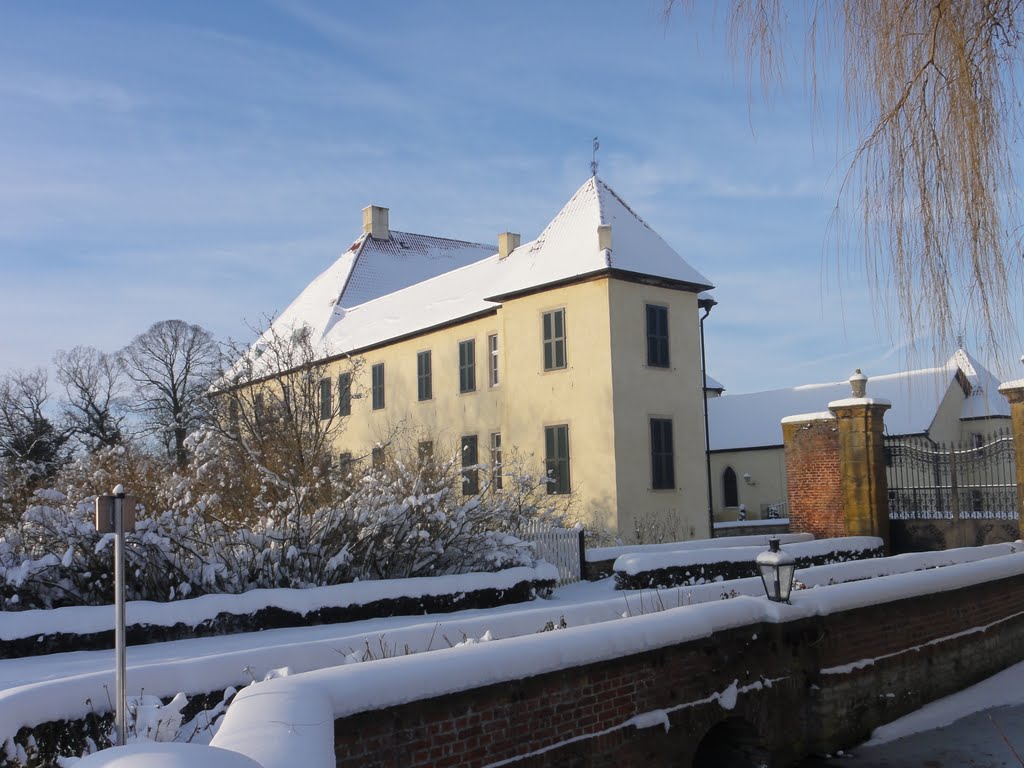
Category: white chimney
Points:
column 604, row 237
column 507, row 242
column 375, row 222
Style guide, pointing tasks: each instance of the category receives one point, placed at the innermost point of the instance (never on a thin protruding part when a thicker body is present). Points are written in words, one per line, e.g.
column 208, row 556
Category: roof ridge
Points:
column 446, row 239
column 622, row 202
column 352, row 270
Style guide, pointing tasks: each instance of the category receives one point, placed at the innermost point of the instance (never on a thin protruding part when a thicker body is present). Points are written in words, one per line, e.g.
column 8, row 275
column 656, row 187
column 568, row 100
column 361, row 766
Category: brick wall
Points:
column 919, row 649
column 813, row 477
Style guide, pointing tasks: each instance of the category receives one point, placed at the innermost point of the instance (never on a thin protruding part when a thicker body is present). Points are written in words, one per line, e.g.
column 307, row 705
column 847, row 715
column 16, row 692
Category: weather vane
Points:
column 593, row 161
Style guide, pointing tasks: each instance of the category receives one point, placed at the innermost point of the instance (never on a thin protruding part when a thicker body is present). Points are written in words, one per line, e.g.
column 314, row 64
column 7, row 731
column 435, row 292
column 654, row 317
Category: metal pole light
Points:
column 116, row 514
column 777, row 568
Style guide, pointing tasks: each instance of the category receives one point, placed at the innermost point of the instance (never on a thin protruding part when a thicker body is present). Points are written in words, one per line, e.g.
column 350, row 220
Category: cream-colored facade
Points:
column 605, row 395
column 600, row 267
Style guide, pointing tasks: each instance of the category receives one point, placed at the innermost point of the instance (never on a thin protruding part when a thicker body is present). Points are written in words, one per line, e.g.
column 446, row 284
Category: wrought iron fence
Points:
column 975, row 480
column 778, row 510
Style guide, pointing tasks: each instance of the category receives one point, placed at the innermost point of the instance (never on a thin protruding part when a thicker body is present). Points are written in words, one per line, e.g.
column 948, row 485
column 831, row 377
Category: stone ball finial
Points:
column 858, row 383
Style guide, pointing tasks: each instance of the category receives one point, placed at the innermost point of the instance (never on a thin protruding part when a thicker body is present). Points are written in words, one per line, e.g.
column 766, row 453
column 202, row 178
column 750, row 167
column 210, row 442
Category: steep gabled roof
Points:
column 569, row 246
column 754, row 420
column 380, row 290
column 372, row 268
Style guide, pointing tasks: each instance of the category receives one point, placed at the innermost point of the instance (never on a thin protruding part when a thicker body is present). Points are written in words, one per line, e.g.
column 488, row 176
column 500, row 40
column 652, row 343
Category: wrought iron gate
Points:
column 975, row 480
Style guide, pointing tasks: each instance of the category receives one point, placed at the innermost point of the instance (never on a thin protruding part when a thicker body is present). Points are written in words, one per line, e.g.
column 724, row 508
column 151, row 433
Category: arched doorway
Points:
column 732, row 743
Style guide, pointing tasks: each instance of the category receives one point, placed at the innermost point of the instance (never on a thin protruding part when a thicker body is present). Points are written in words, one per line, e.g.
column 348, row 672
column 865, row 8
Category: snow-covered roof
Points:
column 371, row 268
column 378, row 291
column 754, row 420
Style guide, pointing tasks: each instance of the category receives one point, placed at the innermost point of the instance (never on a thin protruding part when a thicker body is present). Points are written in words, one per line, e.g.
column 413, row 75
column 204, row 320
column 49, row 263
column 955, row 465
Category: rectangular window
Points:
column 258, row 407
column 663, row 470
column 326, row 407
column 657, row 336
column 496, row 460
column 424, row 382
column 556, row 451
column 470, row 475
column 467, row 365
column 554, row 339
column 492, row 351
column 345, row 394
column 345, row 463
column 377, row 457
column 377, row 386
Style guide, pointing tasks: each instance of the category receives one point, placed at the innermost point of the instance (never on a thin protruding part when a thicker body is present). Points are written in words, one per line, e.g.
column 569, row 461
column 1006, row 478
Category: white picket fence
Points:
column 562, row 547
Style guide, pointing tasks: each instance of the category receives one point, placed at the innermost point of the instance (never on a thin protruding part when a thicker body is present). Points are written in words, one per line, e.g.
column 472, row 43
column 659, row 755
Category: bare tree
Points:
column 26, row 434
column 281, row 408
column 94, row 384
column 31, row 447
column 932, row 105
column 172, row 365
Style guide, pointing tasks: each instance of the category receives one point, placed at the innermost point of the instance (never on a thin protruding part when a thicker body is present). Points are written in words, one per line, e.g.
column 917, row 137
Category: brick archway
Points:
column 732, row 743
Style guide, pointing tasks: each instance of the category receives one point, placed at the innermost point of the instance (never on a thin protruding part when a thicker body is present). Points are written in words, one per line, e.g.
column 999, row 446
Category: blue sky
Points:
column 204, row 161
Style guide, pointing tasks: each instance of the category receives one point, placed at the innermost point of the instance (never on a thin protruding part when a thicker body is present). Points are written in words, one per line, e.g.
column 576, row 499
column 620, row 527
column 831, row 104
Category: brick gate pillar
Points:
column 835, row 467
column 1014, row 392
column 812, row 475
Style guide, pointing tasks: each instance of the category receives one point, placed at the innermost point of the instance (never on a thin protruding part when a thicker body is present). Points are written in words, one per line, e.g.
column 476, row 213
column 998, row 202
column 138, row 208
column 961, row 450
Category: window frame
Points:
column 424, row 376
column 735, row 487
column 495, row 445
column 658, row 345
column 493, row 374
column 326, row 399
column 663, row 459
column 345, row 394
column 467, row 366
column 470, row 446
column 553, row 342
column 555, row 465
column 377, row 387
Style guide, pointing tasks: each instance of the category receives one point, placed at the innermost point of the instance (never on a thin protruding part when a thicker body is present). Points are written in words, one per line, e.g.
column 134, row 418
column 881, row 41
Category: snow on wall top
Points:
column 754, row 420
column 401, row 679
column 383, row 289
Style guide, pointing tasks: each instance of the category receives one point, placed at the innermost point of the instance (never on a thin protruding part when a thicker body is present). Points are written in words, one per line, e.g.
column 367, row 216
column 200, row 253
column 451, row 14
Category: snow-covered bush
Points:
column 403, row 518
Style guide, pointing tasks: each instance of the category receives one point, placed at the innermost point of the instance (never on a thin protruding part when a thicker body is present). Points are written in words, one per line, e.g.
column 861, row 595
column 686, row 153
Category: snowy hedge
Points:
column 39, row 632
column 601, row 560
column 670, row 569
column 397, row 521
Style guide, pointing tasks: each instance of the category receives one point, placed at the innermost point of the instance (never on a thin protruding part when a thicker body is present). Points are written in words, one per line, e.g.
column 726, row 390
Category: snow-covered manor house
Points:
column 579, row 350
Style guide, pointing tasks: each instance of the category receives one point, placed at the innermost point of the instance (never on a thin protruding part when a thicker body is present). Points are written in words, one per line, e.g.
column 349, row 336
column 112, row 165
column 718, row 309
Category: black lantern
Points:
column 777, row 571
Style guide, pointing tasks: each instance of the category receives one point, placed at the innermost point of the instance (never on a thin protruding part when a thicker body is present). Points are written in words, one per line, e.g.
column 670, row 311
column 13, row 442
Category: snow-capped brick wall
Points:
column 812, row 476
column 40, row 632
column 812, row 677
column 657, row 570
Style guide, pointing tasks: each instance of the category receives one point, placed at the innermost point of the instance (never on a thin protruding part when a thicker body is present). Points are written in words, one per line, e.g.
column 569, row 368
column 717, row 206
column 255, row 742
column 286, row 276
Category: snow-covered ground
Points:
column 49, row 687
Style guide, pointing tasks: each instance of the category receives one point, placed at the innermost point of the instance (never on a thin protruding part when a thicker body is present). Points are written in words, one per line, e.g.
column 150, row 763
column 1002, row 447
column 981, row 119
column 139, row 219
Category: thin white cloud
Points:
column 68, row 92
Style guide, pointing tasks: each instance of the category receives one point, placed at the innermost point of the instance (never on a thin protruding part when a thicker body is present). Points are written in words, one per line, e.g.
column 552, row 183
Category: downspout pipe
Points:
column 706, row 303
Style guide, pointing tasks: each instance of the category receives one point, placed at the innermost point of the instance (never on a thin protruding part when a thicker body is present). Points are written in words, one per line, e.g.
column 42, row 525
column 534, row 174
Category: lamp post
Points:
column 777, row 570
column 116, row 514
